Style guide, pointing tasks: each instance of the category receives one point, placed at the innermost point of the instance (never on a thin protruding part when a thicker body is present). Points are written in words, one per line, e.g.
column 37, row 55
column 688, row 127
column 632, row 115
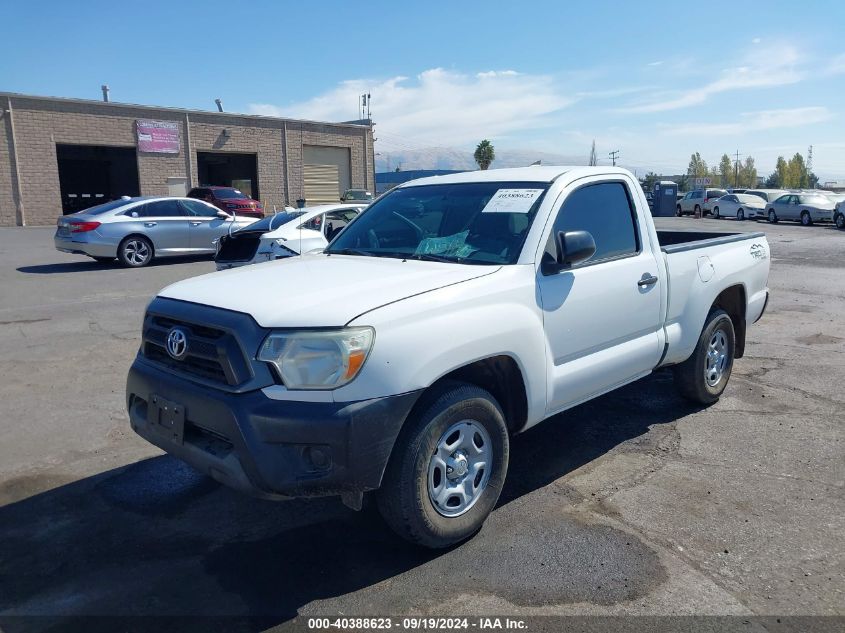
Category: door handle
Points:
column 195, row 223
column 150, row 224
column 647, row 280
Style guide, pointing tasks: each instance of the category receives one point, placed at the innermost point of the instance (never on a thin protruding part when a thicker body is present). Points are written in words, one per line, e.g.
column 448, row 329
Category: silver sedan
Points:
column 137, row 230
column 804, row 207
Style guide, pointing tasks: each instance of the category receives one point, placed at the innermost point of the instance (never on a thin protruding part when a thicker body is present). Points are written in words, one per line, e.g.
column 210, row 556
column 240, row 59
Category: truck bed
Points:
column 679, row 241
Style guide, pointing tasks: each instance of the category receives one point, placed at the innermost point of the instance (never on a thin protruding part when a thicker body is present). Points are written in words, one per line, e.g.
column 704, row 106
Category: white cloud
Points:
column 756, row 121
column 439, row 106
column 762, row 67
column 756, row 40
column 657, row 63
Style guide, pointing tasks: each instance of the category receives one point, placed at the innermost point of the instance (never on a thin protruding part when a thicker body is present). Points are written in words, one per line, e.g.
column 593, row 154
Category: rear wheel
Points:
column 447, row 468
column 773, row 217
column 740, row 215
column 806, row 219
column 703, row 376
column 135, row 251
column 679, row 211
column 716, row 213
column 840, row 221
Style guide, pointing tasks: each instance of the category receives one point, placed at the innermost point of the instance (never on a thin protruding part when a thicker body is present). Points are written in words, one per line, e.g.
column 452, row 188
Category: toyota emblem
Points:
column 177, row 343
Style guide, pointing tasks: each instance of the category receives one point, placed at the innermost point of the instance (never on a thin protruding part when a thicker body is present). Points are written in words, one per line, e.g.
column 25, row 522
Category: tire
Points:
column 679, row 212
column 740, row 215
column 414, row 473
column 715, row 213
column 839, row 220
column 135, row 251
column 698, row 210
column 704, row 375
column 806, row 218
column 773, row 217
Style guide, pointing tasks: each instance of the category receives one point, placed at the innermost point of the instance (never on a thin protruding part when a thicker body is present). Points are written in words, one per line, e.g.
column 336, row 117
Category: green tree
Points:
column 649, row 180
column 772, row 181
column 797, row 173
column 726, row 169
column 697, row 167
column 748, row 173
column 782, row 171
column 484, row 154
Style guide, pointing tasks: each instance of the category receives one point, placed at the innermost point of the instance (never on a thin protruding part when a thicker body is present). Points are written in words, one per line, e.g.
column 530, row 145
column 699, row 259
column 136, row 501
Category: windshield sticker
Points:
column 512, row 201
column 442, row 245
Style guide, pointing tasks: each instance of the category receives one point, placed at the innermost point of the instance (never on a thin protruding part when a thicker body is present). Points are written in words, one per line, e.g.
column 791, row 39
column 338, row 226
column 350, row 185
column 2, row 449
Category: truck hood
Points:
column 319, row 290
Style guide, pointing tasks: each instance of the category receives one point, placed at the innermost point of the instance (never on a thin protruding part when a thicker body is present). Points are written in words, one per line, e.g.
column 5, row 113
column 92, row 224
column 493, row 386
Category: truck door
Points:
column 602, row 317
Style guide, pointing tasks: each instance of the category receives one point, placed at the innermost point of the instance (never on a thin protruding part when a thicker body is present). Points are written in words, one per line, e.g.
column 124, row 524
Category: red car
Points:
column 229, row 200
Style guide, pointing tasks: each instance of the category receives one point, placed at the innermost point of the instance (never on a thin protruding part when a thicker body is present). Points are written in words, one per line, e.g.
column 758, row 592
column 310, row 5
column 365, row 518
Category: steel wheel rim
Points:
column 716, row 360
column 137, row 252
column 459, row 468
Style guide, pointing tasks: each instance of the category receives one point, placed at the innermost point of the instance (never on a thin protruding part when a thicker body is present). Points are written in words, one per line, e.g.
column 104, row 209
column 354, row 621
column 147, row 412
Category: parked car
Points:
column 229, row 199
column 736, row 190
column 137, row 230
column 453, row 313
column 738, row 205
column 698, row 201
column 803, row 207
column 285, row 234
column 839, row 215
column 356, row 195
column 767, row 195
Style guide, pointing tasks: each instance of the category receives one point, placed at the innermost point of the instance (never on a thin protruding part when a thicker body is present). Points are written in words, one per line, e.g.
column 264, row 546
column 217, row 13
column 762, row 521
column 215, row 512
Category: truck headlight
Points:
column 317, row 359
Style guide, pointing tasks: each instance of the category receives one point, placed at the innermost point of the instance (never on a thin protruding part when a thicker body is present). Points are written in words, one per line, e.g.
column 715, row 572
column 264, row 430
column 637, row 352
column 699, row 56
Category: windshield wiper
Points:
column 350, row 251
column 432, row 257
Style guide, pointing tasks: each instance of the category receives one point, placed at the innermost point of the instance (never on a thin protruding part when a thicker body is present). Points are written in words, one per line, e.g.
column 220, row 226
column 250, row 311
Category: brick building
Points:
column 60, row 155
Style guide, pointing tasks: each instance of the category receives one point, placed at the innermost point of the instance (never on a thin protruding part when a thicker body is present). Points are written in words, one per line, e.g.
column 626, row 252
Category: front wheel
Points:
column 716, row 215
column 740, row 215
column 697, row 211
column 703, row 376
column 447, row 468
column 806, row 219
column 773, row 217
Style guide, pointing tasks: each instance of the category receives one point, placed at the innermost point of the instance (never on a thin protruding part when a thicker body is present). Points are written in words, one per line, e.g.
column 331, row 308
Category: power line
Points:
column 613, row 156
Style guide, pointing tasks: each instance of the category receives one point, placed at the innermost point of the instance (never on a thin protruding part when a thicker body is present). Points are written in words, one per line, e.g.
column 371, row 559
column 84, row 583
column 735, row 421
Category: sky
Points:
column 656, row 81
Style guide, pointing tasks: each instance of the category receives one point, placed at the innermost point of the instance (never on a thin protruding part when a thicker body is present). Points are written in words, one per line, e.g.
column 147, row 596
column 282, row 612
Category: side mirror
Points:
column 223, row 215
column 573, row 247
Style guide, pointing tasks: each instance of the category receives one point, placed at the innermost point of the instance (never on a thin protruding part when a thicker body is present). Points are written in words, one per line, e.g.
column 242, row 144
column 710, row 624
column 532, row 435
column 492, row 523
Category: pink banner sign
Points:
column 158, row 136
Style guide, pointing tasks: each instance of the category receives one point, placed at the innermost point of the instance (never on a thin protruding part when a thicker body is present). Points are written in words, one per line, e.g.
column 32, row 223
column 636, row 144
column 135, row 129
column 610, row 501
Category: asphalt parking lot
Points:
column 635, row 503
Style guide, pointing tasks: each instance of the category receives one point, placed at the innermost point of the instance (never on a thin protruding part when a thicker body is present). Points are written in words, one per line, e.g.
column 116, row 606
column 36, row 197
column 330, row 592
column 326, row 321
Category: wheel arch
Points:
column 733, row 301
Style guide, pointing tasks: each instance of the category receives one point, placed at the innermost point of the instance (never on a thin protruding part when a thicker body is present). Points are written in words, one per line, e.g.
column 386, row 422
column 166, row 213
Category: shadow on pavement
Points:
column 156, row 538
column 88, row 266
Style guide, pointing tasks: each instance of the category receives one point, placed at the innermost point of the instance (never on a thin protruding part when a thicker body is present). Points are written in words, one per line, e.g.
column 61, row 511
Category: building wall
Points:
column 41, row 123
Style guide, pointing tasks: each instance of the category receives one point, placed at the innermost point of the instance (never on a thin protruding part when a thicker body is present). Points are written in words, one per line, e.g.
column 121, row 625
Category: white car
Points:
column 801, row 207
column 455, row 312
column 739, row 205
column 286, row 234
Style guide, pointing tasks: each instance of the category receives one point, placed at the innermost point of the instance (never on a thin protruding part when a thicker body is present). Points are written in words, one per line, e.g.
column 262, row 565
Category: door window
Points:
column 198, row 209
column 163, row 209
column 606, row 212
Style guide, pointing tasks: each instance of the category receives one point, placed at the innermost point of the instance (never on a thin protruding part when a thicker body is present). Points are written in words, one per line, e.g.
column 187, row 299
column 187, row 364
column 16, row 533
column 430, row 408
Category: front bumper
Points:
column 269, row 448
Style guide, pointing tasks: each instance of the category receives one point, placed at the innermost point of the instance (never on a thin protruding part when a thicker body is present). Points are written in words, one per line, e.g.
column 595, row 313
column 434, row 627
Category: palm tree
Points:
column 484, row 154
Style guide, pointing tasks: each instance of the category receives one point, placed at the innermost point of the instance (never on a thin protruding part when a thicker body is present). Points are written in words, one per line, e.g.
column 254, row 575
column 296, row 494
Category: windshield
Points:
column 355, row 194
column 747, row 198
column 227, row 193
column 106, row 206
column 272, row 222
column 471, row 223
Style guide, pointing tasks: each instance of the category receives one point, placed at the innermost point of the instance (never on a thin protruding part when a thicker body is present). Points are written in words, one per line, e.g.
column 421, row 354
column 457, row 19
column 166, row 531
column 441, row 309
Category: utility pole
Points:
column 736, row 171
column 613, row 156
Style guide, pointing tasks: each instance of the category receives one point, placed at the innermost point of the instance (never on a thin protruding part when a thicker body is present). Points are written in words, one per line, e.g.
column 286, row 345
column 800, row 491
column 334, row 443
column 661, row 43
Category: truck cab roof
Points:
column 534, row 173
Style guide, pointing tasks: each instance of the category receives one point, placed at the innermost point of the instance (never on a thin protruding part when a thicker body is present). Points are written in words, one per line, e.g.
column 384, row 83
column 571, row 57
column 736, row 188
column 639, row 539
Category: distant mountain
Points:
column 452, row 158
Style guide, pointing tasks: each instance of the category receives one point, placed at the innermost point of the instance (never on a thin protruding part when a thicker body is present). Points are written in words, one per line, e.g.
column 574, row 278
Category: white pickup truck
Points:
column 454, row 312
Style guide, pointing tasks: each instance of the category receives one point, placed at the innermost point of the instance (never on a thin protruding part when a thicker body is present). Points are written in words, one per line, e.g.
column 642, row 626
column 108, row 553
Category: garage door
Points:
column 322, row 184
